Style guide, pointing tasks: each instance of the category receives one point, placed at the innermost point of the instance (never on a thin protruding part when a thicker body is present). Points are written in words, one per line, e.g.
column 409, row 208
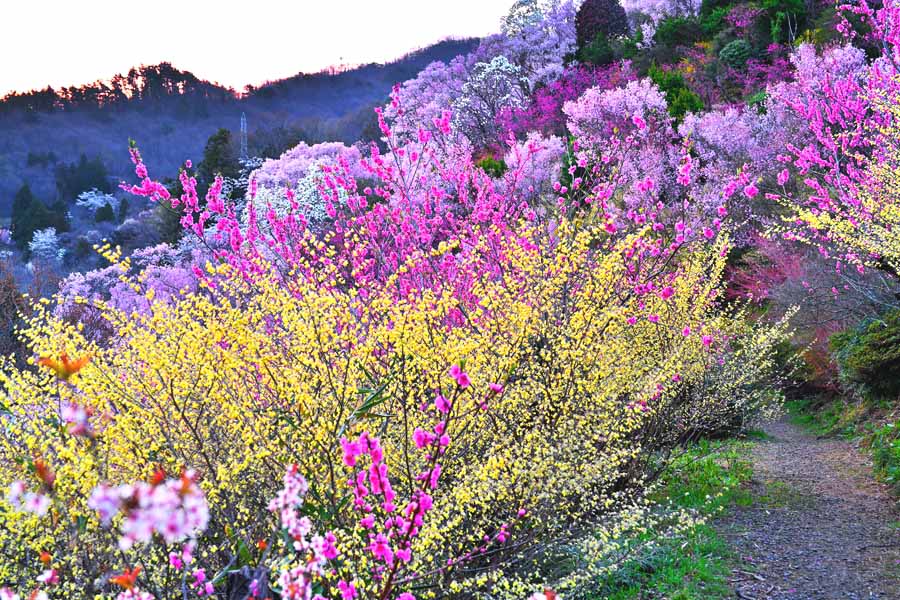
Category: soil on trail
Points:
column 820, row 526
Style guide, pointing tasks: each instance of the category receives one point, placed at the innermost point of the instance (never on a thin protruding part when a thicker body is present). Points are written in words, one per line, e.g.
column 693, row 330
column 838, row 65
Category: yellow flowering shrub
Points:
column 575, row 383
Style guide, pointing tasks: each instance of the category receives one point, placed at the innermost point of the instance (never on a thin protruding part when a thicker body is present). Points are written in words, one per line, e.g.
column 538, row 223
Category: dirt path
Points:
column 820, row 526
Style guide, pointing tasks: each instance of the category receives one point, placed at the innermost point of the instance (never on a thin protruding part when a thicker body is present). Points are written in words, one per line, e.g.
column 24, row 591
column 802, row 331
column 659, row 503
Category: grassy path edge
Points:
column 709, row 478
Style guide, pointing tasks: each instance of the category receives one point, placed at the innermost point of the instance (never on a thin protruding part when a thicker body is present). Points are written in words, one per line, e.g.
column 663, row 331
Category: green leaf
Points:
column 244, row 556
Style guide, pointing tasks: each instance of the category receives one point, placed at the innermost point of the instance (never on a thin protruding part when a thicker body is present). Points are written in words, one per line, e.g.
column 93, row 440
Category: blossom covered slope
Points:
column 450, row 364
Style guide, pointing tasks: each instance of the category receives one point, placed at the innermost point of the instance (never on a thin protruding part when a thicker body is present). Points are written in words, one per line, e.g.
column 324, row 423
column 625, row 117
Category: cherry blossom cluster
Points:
column 25, row 500
column 174, row 508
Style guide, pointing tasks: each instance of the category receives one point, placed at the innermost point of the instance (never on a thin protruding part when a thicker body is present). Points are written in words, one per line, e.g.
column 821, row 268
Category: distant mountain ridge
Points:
column 171, row 113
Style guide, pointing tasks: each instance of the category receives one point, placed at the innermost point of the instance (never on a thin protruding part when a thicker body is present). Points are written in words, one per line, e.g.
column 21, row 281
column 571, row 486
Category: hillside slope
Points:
column 172, row 125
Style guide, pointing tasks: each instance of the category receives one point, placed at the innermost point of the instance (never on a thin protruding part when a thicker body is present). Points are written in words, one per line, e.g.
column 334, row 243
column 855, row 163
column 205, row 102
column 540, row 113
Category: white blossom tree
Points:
column 93, row 200
column 492, row 87
column 44, row 245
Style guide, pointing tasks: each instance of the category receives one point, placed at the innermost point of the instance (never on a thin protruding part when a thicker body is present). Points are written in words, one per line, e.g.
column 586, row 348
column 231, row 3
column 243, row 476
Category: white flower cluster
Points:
column 242, row 182
column 93, row 200
column 534, row 165
column 492, row 87
column 45, row 245
column 658, row 10
column 307, row 198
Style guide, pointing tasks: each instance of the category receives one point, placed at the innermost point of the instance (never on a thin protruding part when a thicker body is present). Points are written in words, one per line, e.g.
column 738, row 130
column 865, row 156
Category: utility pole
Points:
column 244, row 155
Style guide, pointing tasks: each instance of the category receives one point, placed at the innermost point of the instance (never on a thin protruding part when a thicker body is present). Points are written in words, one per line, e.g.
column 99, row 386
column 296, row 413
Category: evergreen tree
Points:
column 21, row 210
column 167, row 220
column 59, row 216
column 29, row 214
column 123, row 210
column 72, row 179
column 105, row 214
column 600, row 17
column 220, row 157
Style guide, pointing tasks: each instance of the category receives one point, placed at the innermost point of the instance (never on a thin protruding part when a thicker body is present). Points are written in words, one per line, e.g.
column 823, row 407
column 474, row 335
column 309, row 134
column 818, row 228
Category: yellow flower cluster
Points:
column 244, row 378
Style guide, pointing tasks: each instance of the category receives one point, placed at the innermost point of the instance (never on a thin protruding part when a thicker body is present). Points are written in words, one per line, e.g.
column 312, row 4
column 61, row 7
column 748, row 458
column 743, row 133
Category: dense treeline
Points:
column 144, row 83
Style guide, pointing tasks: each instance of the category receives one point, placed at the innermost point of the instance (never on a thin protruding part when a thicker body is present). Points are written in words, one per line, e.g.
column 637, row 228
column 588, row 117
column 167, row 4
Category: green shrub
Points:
column 714, row 22
column 105, row 214
column 758, row 101
column 720, row 40
column 885, row 446
column 83, row 249
column 680, row 98
column 627, row 47
column 123, row 209
column 868, row 357
column 667, row 81
column 708, row 7
column 599, row 52
column 682, row 102
column 678, row 31
column 784, row 16
column 600, row 18
column 492, row 166
column 736, row 54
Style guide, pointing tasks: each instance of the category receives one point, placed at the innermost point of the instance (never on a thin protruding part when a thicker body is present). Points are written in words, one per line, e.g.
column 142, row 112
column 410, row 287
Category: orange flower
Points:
column 64, row 367
column 45, row 558
column 127, row 579
column 187, row 482
column 158, row 477
column 44, row 472
column 262, row 545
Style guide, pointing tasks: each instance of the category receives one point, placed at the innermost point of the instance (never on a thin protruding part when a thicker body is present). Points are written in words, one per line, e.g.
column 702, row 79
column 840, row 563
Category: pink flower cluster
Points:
column 295, row 164
column 174, row 509
column 835, row 105
column 391, row 535
column 743, row 17
column 370, row 484
column 27, row 501
column 625, row 142
column 77, row 420
column 135, row 594
column 296, row 582
column 544, row 113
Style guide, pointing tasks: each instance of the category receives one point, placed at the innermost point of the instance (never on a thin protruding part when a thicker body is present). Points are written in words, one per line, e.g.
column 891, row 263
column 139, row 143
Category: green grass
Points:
column 678, row 570
column 758, row 435
column 874, row 422
column 884, row 444
column 831, row 418
column 779, row 494
column 708, row 478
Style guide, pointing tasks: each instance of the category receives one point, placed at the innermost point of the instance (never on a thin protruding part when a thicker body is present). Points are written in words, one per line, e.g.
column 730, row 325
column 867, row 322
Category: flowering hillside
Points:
column 453, row 362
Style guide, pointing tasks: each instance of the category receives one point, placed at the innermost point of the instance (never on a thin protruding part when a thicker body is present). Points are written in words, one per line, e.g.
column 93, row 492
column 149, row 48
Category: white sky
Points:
column 71, row 42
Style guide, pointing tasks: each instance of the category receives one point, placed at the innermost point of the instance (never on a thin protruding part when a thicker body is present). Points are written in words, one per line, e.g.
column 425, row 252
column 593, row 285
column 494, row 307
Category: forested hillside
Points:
column 175, row 112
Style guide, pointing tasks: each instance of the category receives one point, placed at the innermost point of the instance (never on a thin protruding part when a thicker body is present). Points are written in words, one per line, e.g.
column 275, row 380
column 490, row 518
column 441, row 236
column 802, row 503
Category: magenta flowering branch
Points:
column 390, row 541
